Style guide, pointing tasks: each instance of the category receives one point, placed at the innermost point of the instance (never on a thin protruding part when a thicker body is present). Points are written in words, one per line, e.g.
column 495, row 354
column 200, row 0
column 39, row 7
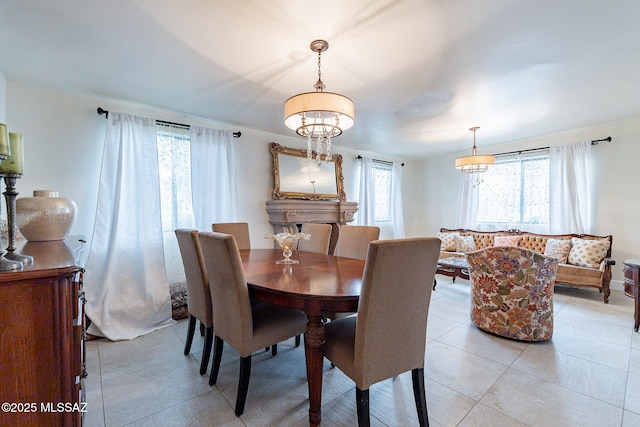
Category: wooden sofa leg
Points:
column 606, row 283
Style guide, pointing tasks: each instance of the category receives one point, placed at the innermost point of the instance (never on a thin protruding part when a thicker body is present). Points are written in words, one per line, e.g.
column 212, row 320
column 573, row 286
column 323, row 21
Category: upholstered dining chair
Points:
column 198, row 298
column 320, row 238
column 512, row 292
column 388, row 336
column 239, row 230
column 353, row 240
column 245, row 327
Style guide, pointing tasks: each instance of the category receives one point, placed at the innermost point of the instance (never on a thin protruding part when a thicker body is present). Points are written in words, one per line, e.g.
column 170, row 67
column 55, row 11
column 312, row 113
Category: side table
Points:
column 632, row 287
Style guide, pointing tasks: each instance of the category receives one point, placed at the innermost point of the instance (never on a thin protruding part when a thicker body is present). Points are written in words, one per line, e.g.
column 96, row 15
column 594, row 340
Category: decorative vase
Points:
column 45, row 216
column 287, row 242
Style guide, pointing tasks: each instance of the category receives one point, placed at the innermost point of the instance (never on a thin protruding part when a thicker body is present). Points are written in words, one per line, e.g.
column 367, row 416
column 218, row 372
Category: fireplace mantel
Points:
column 286, row 214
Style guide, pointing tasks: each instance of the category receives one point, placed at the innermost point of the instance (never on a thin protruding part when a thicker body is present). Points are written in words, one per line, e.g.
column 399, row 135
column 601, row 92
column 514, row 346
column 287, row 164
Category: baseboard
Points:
column 616, row 285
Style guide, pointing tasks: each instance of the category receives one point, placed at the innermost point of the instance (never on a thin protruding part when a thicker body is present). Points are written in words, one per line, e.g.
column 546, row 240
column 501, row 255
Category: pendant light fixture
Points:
column 472, row 166
column 319, row 116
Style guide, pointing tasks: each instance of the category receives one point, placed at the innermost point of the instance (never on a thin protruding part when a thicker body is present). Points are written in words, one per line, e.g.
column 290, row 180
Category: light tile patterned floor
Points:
column 587, row 375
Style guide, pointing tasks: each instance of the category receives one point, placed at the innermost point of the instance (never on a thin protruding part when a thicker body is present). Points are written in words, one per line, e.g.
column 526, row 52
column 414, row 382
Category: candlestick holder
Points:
column 10, row 197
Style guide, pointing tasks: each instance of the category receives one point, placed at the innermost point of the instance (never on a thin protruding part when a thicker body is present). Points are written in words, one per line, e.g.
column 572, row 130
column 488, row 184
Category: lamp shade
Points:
column 319, row 113
column 4, row 142
column 475, row 163
column 14, row 164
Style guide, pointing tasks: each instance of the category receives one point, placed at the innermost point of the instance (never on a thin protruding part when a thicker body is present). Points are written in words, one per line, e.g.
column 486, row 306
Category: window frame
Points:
column 521, row 159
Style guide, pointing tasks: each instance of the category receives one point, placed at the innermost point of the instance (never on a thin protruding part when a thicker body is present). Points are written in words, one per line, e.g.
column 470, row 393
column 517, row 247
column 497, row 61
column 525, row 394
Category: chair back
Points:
column 229, row 293
column 320, row 238
column 198, row 298
column 512, row 292
column 239, row 231
column 391, row 326
column 353, row 240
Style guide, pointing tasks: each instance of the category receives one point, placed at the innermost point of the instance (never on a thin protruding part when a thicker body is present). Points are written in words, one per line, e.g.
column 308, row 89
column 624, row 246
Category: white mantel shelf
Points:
column 286, row 214
column 289, row 212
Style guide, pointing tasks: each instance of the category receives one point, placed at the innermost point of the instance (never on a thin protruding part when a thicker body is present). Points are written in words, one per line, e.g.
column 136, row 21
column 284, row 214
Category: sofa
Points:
column 584, row 259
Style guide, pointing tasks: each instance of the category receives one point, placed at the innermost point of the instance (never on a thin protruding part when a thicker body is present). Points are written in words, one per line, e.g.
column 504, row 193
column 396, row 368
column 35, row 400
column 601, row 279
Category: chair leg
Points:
column 202, row 329
column 218, row 346
column 417, row 375
column 274, row 350
column 206, row 351
column 362, row 404
column 297, row 340
column 190, row 331
column 243, row 384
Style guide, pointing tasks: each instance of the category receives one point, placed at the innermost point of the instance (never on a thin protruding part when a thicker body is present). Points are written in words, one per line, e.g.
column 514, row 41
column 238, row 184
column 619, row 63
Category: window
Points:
column 515, row 193
column 382, row 175
column 174, row 164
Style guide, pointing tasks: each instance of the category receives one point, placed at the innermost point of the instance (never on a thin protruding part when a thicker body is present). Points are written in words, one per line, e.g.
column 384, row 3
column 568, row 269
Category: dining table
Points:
column 319, row 283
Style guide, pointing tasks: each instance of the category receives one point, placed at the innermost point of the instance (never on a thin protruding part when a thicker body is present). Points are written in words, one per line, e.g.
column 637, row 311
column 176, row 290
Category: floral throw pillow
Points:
column 448, row 240
column 587, row 252
column 506, row 241
column 558, row 249
column 465, row 244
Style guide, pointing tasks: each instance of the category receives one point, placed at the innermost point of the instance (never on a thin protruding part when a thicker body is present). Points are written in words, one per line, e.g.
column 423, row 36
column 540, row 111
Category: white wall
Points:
column 616, row 172
column 64, row 137
column 3, row 96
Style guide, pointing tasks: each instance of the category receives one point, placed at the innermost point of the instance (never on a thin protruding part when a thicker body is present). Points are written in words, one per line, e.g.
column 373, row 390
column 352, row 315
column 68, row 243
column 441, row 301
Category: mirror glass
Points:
column 296, row 177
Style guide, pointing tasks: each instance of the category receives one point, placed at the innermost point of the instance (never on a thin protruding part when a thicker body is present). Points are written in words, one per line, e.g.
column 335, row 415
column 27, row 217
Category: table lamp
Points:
column 11, row 169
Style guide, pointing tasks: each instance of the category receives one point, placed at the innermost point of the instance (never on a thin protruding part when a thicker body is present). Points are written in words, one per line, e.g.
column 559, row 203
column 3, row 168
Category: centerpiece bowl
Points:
column 287, row 242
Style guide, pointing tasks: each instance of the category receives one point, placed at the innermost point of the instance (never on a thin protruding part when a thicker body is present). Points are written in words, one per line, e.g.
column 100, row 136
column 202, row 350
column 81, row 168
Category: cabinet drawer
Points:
column 628, row 273
column 628, row 289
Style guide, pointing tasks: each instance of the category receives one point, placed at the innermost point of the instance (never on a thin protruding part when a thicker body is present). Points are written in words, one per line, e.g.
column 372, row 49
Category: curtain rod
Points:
column 359, row 157
column 102, row 111
column 594, row 142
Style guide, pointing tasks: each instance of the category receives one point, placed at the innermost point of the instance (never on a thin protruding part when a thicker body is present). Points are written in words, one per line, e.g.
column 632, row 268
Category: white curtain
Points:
column 468, row 202
column 126, row 285
column 397, row 213
column 570, row 188
column 367, row 193
column 213, row 177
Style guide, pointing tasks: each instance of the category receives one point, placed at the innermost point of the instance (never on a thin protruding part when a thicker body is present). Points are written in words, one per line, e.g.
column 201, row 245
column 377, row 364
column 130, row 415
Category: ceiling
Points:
column 421, row 72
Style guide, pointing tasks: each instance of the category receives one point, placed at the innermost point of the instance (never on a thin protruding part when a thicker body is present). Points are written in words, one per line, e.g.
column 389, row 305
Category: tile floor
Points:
column 587, row 375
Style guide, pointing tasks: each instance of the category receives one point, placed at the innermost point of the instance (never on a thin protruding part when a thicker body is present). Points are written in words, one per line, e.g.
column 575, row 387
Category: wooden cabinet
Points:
column 632, row 286
column 42, row 337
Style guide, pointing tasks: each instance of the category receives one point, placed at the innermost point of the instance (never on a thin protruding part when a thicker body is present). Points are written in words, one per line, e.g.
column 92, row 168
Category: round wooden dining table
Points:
column 319, row 283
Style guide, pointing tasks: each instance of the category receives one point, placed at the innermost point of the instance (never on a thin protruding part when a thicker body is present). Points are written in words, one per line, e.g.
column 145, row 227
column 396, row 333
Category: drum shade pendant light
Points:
column 319, row 116
column 474, row 164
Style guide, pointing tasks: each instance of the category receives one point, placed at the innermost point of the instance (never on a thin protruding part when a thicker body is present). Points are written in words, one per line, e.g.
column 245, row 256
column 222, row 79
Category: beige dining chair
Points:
column 245, row 327
column 198, row 298
column 353, row 240
column 239, row 230
column 388, row 336
column 320, row 238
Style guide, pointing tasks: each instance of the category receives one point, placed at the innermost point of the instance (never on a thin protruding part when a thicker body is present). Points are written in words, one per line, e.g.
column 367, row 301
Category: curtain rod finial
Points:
column 102, row 111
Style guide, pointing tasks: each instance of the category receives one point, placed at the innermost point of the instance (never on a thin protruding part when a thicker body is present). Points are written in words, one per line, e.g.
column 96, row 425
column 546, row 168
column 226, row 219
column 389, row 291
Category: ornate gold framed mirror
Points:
column 296, row 177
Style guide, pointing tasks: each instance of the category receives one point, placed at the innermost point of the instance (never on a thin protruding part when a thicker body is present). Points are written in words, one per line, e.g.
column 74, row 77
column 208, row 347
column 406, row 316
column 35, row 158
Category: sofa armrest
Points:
column 606, row 264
